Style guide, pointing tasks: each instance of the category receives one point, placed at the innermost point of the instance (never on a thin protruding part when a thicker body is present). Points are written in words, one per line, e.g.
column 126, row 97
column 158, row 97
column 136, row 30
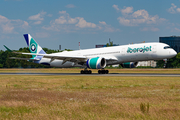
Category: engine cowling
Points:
column 129, row 65
column 96, row 63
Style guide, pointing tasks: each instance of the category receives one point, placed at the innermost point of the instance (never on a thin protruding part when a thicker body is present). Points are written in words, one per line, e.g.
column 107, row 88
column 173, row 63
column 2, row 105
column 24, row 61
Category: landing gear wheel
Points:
column 103, row 71
column 86, row 71
column 106, row 71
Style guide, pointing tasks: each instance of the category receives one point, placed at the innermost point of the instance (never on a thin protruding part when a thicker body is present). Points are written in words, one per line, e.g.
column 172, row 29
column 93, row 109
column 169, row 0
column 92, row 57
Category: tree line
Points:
column 5, row 62
column 171, row 63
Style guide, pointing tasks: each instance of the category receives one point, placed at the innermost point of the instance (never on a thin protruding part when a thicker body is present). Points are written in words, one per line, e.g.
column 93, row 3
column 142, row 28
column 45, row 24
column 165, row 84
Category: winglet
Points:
column 7, row 48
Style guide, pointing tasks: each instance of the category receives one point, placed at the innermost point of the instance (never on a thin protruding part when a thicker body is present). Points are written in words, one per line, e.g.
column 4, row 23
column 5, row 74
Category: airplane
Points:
column 98, row 58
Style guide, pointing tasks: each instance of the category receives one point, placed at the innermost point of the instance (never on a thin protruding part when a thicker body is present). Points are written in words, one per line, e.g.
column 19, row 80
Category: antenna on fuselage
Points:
column 59, row 47
column 79, row 46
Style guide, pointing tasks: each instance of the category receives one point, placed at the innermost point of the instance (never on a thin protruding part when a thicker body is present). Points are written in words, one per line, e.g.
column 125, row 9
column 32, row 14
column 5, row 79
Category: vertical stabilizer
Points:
column 33, row 46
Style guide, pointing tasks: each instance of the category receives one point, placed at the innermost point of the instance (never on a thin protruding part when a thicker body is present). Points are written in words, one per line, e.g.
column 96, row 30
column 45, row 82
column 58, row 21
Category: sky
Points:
column 67, row 22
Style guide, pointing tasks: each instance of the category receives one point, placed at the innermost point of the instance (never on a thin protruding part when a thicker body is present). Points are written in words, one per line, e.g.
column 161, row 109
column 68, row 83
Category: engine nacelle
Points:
column 129, row 64
column 96, row 63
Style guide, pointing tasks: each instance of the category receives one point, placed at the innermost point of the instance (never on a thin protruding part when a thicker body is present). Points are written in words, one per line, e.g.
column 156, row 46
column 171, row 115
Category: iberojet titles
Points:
column 134, row 50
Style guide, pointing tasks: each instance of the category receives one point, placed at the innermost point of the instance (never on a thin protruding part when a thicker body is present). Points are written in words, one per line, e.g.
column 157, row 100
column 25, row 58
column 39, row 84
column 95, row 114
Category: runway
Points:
column 96, row 74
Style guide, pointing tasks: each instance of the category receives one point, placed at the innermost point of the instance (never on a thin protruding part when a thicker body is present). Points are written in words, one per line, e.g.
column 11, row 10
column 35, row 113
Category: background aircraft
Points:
column 98, row 58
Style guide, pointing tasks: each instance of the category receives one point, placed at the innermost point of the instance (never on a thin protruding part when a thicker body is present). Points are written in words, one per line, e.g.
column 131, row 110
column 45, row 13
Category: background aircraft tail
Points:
column 33, row 46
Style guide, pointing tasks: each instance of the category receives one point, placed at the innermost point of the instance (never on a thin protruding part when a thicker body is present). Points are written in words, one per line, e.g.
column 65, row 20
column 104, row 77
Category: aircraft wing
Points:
column 24, row 59
column 59, row 57
column 111, row 58
column 68, row 58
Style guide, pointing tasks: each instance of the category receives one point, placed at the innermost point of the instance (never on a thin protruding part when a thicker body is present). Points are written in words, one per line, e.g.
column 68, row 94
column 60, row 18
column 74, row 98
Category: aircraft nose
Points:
column 173, row 53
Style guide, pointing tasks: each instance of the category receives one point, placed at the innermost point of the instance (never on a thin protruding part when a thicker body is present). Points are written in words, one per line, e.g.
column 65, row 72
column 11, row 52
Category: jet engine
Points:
column 129, row 64
column 96, row 63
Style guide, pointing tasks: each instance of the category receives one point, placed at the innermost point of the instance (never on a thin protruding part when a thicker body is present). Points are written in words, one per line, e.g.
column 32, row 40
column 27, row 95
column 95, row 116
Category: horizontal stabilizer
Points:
column 7, row 48
column 11, row 50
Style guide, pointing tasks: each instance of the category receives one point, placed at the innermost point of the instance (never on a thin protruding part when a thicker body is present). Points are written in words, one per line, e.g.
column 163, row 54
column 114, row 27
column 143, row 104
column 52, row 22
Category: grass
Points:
column 77, row 70
column 92, row 97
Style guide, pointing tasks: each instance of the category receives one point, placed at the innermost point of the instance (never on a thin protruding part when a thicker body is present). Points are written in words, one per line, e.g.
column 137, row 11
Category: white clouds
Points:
column 116, row 7
column 7, row 28
column 127, row 10
column 83, row 24
column 6, row 25
column 60, row 20
column 35, row 17
column 138, row 17
column 38, row 18
column 25, row 25
column 70, row 6
column 3, row 19
column 73, row 20
column 102, row 22
column 66, row 23
column 65, row 19
column 124, row 21
column 178, row 10
column 141, row 13
column 106, row 28
column 141, row 18
column 173, row 9
column 11, row 26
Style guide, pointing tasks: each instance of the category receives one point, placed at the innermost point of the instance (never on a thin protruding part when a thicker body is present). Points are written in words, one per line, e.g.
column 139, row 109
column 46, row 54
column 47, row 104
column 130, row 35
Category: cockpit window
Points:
column 166, row 47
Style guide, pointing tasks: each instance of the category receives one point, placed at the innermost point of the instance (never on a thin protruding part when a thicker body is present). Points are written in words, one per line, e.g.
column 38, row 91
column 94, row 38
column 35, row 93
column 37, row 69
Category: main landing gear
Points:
column 103, row 71
column 86, row 71
column 99, row 71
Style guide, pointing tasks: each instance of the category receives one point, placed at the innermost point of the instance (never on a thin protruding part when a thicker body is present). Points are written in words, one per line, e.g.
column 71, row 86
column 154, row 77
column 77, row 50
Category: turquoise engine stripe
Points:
column 92, row 62
column 126, row 65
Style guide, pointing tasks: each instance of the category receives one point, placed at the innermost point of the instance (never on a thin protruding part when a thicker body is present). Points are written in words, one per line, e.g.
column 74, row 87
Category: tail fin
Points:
column 33, row 45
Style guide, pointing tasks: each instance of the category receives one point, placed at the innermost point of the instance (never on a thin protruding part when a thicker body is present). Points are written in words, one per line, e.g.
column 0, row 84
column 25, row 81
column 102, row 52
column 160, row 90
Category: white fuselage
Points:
column 124, row 53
